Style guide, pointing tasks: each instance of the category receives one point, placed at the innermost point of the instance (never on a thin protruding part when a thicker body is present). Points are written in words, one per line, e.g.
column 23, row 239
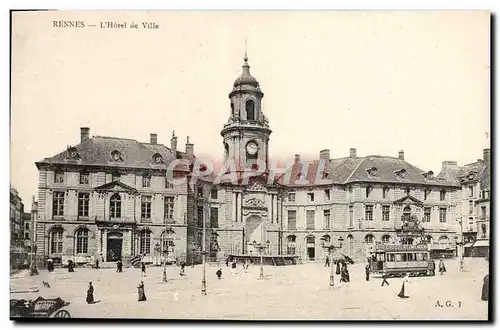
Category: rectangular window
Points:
column 168, row 184
column 369, row 212
column 442, row 214
column 146, row 207
column 146, row 181
column 385, row 192
column 56, row 243
column 83, row 205
column 310, row 197
column 471, row 191
column 115, row 177
column 427, row 214
column 213, row 193
column 26, row 236
column 214, row 217
column 368, row 191
column 27, row 226
column 327, row 194
column 326, row 219
column 200, row 216
column 291, row 197
column 310, row 219
column 426, row 194
column 442, row 195
column 168, row 211
column 59, row 177
column 58, row 204
column 483, row 212
column 84, row 178
column 292, row 219
column 407, row 191
column 385, row 212
column 351, row 216
column 471, row 207
column 200, row 191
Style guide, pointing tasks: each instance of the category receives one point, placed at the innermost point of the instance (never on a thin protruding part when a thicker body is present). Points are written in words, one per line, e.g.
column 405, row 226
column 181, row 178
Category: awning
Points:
column 468, row 245
column 481, row 243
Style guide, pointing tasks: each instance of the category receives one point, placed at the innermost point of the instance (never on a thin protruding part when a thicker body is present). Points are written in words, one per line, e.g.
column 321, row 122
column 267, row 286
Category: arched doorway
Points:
column 114, row 246
column 254, row 232
column 311, row 247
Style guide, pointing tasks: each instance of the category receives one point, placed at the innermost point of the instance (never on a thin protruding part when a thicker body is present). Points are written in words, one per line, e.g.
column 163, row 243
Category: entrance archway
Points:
column 114, row 246
column 254, row 231
column 311, row 247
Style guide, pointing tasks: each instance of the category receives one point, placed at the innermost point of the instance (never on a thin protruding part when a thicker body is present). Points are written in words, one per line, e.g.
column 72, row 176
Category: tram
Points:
column 397, row 260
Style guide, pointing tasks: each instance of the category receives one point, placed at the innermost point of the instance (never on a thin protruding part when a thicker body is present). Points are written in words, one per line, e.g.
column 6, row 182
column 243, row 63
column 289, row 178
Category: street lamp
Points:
column 261, row 248
column 165, row 251
column 331, row 248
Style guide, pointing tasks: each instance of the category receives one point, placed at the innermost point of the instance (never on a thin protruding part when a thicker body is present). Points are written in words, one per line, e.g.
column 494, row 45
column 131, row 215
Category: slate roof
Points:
column 97, row 151
column 471, row 173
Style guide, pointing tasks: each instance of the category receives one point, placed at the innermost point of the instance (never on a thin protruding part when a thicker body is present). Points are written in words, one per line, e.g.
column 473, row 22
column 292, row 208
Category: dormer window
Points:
column 73, row 153
column 429, row 175
column 401, row 173
column 59, row 177
column 372, row 171
column 157, row 159
column 116, row 156
column 471, row 175
column 146, row 181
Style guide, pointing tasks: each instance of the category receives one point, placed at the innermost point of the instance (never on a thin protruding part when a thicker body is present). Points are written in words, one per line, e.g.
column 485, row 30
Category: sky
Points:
column 379, row 82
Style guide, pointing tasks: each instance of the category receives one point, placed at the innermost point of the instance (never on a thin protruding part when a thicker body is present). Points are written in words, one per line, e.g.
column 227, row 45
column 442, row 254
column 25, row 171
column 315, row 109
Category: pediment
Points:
column 409, row 200
column 117, row 186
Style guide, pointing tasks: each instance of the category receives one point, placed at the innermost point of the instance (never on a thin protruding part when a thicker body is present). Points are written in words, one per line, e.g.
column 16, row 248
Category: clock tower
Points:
column 246, row 134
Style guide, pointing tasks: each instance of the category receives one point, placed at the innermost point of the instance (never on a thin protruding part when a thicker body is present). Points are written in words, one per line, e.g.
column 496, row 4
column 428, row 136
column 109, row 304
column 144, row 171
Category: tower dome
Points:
column 246, row 78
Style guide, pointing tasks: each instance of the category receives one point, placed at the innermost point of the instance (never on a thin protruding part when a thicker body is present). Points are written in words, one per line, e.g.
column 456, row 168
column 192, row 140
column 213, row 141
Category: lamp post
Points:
column 261, row 248
column 203, row 253
column 331, row 249
column 193, row 255
column 165, row 252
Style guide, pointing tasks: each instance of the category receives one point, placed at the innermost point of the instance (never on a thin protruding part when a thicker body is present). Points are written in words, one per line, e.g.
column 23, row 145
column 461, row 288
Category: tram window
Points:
column 390, row 257
column 420, row 256
column 380, row 257
column 401, row 257
column 424, row 256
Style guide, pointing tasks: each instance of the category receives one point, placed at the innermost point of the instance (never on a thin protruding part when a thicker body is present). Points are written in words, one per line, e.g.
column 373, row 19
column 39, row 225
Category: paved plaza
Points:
column 299, row 292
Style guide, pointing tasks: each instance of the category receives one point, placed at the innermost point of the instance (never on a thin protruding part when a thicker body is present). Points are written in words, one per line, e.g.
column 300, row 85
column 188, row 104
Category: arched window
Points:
column 56, row 240
column 444, row 242
column 145, row 242
column 167, row 242
column 82, row 240
column 115, row 206
column 310, row 239
column 369, row 239
column 250, row 108
column 386, row 239
column 232, row 109
column 326, row 239
column 428, row 239
column 290, row 244
column 406, row 214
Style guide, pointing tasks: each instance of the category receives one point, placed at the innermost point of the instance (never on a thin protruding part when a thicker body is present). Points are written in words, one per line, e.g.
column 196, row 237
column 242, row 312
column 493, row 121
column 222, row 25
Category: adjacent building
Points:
column 109, row 198
column 17, row 248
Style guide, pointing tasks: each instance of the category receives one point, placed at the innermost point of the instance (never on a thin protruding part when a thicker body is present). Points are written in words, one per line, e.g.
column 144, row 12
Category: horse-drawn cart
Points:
column 39, row 308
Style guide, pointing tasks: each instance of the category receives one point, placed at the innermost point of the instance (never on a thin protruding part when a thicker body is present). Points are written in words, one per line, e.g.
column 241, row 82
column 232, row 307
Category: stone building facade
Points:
column 109, row 197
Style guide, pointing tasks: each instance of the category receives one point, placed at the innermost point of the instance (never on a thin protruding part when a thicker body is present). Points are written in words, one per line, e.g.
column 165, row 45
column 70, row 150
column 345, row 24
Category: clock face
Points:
column 252, row 148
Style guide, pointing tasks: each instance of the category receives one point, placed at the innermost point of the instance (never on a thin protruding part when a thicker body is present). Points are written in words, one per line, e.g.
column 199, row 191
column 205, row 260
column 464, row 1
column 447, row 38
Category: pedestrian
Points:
column 442, row 268
column 337, row 271
column 461, row 264
column 485, row 291
column 50, row 265
column 327, row 261
column 346, row 273
column 90, row 294
column 183, row 269
column 227, row 261
column 143, row 269
column 367, row 272
column 219, row 273
column 404, row 290
column 233, row 266
column 71, row 266
column 119, row 266
column 97, row 263
column 141, row 293
column 33, row 269
column 384, row 279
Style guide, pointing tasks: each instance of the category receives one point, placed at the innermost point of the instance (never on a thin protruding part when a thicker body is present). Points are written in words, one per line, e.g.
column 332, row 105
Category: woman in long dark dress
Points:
column 337, row 271
column 367, row 272
column 485, row 292
column 90, row 294
column 404, row 290
column 141, row 293
column 71, row 266
column 442, row 268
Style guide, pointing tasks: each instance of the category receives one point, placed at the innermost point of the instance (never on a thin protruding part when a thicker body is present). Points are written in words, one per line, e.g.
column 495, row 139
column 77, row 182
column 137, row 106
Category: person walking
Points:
column 97, row 264
column 219, row 273
column 404, row 289
column 90, row 294
column 485, row 291
column 367, row 272
column 119, row 266
column 227, row 261
column 141, row 293
column 71, row 266
column 327, row 261
column 384, row 279
column 183, row 269
column 143, row 269
column 442, row 268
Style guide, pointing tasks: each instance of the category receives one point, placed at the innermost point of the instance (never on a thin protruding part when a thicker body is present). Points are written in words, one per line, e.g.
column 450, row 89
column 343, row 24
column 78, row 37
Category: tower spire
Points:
column 246, row 57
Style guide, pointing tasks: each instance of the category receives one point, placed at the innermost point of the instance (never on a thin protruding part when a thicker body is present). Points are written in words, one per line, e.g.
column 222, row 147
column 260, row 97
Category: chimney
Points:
column 324, row 154
column 189, row 148
column 447, row 164
column 297, row 158
column 401, row 155
column 84, row 134
column 352, row 153
column 487, row 156
column 153, row 138
column 173, row 143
